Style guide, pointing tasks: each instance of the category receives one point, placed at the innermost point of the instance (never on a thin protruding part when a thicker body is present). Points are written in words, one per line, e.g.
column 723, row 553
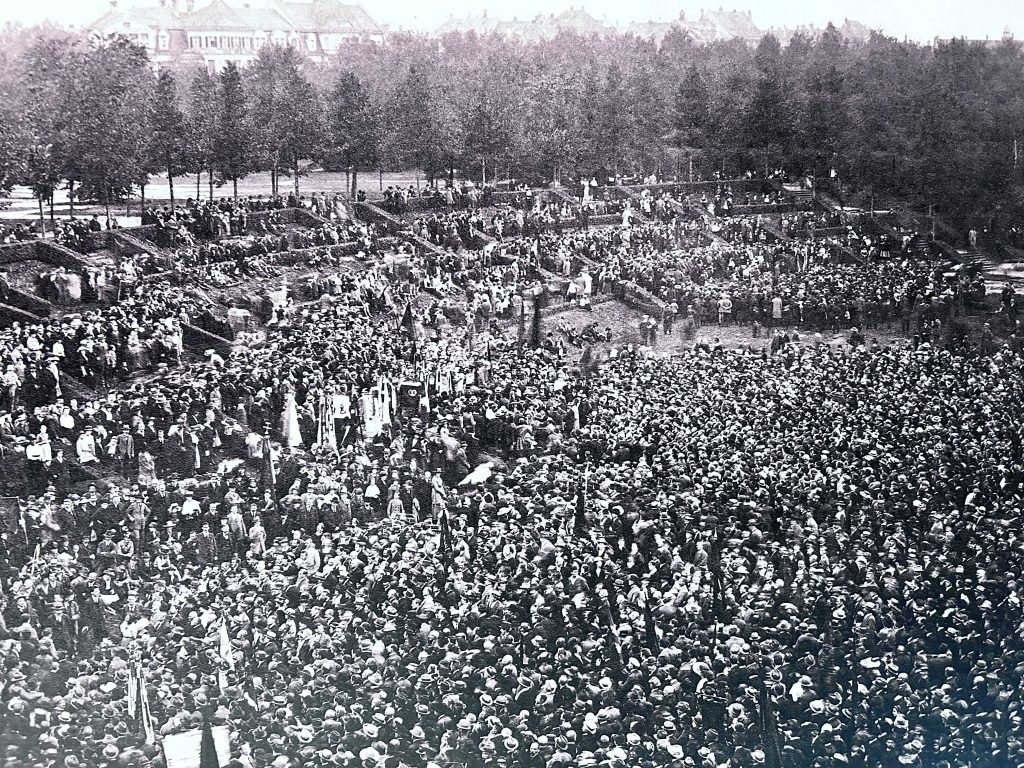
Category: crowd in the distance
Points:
column 697, row 561
column 799, row 556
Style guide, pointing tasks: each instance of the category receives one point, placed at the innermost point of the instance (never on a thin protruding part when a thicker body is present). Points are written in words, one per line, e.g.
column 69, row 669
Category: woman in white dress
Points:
column 290, row 419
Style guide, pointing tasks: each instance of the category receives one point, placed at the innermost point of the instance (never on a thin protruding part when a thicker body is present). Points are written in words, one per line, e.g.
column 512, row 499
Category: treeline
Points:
column 930, row 125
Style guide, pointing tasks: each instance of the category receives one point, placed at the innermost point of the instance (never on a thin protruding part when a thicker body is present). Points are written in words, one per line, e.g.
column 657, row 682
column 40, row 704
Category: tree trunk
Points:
column 71, row 198
column 355, row 189
column 106, row 201
column 142, row 202
column 170, row 179
column 234, row 183
column 348, row 178
column 483, row 171
column 209, row 179
column 380, row 178
column 51, row 204
column 296, row 170
column 42, row 220
column 199, row 181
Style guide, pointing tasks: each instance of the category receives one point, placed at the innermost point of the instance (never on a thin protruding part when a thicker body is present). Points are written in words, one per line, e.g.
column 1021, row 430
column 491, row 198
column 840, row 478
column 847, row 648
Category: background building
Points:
column 710, row 26
column 216, row 32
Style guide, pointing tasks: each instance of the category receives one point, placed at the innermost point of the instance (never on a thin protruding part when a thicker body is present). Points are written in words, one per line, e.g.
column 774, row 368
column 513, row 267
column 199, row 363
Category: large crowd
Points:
column 376, row 537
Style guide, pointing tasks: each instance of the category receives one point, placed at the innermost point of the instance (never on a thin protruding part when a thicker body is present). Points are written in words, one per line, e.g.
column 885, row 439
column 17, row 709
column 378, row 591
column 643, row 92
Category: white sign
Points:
column 181, row 750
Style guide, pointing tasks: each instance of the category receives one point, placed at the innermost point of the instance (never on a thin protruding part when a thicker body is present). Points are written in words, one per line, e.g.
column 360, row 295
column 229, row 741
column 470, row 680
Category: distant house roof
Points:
column 578, row 20
column 264, row 19
column 479, row 24
column 149, row 17
column 329, row 16
column 215, row 16
column 730, row 24
column 855, row 31
column 650, row 30
column 535, row 29
column 786, row 34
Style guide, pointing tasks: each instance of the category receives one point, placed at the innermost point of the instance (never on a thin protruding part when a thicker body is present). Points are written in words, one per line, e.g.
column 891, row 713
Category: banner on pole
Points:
column 181, row 750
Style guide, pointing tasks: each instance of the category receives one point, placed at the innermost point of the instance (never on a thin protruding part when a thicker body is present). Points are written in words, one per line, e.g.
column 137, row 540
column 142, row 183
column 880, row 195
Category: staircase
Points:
column 125, row 241
column 803, row 196
column 635, row 198
column 562, row 193
column 921, row 249
column 372, row 213
column 996, row 273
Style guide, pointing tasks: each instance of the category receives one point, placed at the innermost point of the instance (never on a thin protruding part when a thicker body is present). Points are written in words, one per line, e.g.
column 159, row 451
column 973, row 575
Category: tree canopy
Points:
column 931, row 125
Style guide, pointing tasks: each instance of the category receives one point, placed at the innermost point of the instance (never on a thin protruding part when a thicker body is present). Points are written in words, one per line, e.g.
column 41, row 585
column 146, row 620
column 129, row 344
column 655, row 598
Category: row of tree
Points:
column 933, row 125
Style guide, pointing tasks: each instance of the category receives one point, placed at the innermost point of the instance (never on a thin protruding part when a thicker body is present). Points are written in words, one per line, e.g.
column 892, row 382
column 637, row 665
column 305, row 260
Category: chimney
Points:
column 190, row 5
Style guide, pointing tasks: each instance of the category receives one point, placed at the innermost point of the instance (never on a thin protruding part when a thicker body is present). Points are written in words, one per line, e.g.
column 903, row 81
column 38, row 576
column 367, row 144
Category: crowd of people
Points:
column 17, row 233
column 375, row 537
column 77, row 234
column 212, row 219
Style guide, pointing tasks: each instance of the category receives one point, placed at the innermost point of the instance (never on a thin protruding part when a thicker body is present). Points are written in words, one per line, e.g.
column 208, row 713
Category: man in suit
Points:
column 206, row 547
column 125, row 450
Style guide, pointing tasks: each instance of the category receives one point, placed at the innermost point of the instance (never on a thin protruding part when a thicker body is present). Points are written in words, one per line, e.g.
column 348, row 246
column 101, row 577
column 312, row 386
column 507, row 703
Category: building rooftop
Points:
column 217, row 15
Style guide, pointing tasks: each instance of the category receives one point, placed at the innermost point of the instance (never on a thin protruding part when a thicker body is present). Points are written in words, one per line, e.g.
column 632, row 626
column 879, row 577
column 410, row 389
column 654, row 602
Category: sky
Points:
column 917, row 20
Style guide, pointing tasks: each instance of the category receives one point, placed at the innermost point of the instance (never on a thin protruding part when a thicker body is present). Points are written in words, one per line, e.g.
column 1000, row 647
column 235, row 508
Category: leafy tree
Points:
column 285, row 114
column 487, row 137
column 769, row 122
column 612, row 120
column 301, row 117
column 555, row 126
column 108, row 120
column 231, row 143
column 692, row 115
column 41, row 174
column 13, row 146
column 423, row 133
column 168, row 146
column 352, row 124
column 201, row 123
column 645, row 135
column 51, row 67
column 824, row 114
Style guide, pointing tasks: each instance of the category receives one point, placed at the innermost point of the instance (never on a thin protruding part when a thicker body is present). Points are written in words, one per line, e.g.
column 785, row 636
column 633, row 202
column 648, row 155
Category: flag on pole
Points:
column 226, row 651
column 535, row 326
column 408, row 324
column 408, row 327
column 269, row 471
column 581, row 504
column 133, row 690
column 650, row 625
column 12, row 517
column 147, row 716
column 36, row 560
column 326, row 434
column 207, row 748
column 138, row 698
